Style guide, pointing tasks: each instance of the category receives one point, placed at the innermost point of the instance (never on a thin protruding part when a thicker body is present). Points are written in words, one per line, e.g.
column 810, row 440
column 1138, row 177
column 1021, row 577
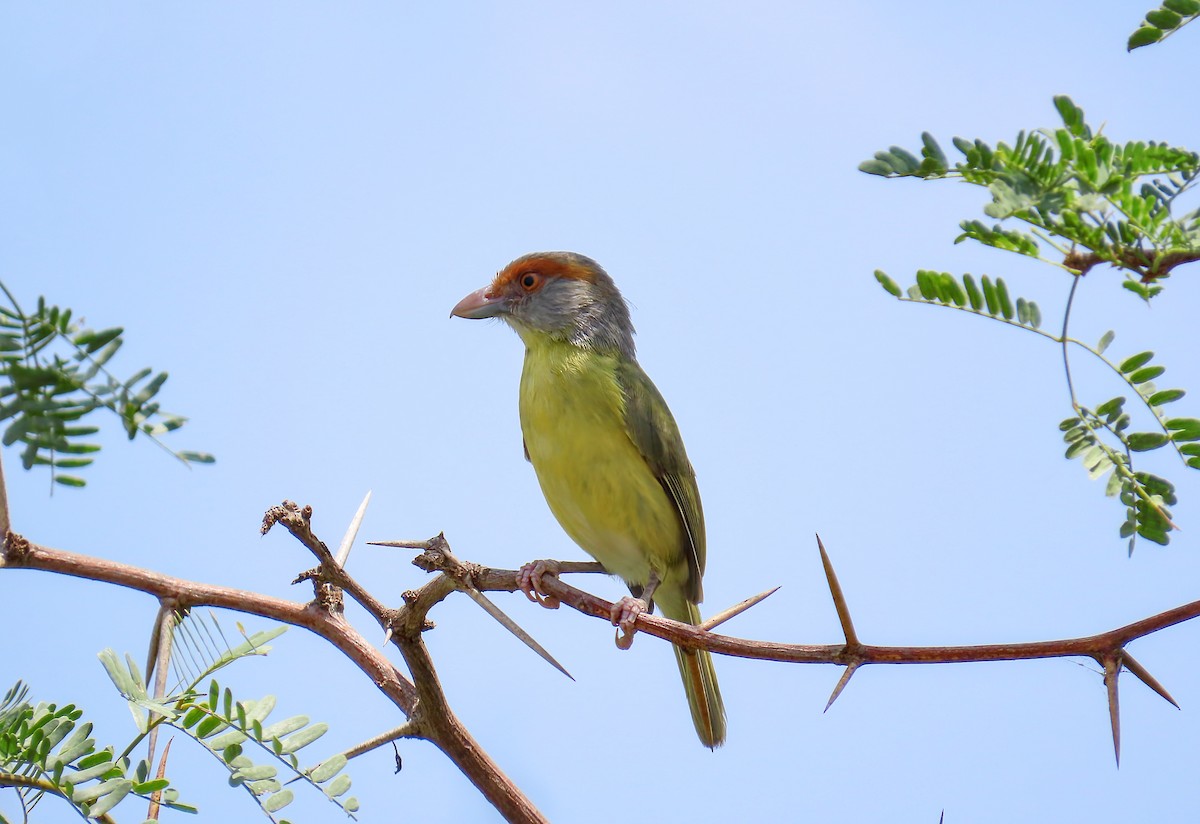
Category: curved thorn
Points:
column 841, row 685
column 839, row 599
column 736, row 609
column 352, row 532
column 387, row 636
column 1148, row 679
column 1112, row 668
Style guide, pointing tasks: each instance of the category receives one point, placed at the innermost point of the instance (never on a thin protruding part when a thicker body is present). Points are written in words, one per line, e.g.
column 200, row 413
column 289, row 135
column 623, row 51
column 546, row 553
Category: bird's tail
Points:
column 700, row 684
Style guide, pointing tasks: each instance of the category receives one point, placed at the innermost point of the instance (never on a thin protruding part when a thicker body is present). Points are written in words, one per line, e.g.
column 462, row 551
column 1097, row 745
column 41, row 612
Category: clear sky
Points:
column 281, row 202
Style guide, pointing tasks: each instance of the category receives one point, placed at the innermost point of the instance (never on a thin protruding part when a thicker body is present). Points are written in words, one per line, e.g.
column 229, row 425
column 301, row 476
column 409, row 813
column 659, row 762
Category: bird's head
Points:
column 561, row 295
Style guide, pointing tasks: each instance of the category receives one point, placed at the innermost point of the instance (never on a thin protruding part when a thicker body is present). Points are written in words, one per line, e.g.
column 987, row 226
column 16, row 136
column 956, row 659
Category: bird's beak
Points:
column 480, row 304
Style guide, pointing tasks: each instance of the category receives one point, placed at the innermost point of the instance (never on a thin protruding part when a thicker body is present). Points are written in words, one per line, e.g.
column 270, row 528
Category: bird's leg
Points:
column 624, row 613
column 529, row 581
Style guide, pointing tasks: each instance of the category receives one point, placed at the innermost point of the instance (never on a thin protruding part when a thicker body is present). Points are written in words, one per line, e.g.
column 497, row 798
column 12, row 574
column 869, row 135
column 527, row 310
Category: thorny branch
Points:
column 422, row 700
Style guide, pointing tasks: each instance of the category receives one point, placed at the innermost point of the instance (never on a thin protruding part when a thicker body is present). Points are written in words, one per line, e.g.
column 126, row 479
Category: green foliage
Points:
column 223, row 726
column 1092, row 200
column 987, row 297
column 54, row 375
column 1101, row 438
column 210, row 714
column 45, row 749
column 1163, row 22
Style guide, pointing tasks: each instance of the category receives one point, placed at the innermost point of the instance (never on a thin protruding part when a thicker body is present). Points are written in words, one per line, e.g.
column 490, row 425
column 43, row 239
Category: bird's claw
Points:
column 529, row 581
column 624, row 615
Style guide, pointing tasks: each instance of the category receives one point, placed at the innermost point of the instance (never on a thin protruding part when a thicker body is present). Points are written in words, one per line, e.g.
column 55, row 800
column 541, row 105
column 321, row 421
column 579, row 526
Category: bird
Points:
column 606, row 450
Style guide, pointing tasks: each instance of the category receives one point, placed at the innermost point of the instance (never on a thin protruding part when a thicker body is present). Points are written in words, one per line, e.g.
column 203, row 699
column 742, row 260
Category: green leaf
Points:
column 196, row 457
column 1142, row 290
column 1145, row 441
column 887, row 283
column 1184, row 7
column 1147, row 374
column 119, row 674
column 1154, row 533
column 927, row 283
column 989, row 295
column 70, row 480
column 1075, row 434
column 278, row 801
column 339, row 787
column 90, row 341
column 227, row 740
column 1105, row 340
column 328, row 769
column 1078, row 447
column 1163, row 19
column 1097, row 470
column 254, row 772
column 1183, row 429
column 305, row 737
column 931, row 150
column 208, row 726
column 1166, row 396
column 282, row 728
column 1006, row 306
column 951, row 291
column 1114, row 485
column 1072, row 116
column 152, row 786
column 973, row 293
column 1135, row 361
column 906, row 160
column 875, row 167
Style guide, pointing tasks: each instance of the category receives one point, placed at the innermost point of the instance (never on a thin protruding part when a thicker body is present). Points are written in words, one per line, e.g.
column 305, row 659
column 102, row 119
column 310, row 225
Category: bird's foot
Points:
column 624, row 615
column 529, row 581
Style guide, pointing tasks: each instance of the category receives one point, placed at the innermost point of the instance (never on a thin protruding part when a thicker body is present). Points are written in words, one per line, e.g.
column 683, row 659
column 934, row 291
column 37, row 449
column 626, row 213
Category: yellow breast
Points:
column 596, row 482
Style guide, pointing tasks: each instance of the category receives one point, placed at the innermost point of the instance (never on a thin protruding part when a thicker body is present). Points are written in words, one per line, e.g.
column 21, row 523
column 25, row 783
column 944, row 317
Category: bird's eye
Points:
column 530, row 281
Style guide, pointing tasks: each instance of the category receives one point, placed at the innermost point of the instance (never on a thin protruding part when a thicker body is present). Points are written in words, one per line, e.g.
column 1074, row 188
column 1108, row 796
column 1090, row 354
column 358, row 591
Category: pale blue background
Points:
column 282, row 201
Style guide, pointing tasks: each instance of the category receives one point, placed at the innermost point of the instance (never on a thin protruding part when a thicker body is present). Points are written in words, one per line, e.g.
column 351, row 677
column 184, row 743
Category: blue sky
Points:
column 280, row 202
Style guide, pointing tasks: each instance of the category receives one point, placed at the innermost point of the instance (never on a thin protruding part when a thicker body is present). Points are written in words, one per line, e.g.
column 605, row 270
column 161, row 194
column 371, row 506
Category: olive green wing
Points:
column 654, row 432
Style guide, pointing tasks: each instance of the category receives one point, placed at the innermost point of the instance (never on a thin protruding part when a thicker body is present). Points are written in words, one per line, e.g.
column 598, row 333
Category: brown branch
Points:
column 19, row 553
column 1107, row 648
column 431, row 713
column 1148, row 265
column 423, row 700
column 686, row 635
